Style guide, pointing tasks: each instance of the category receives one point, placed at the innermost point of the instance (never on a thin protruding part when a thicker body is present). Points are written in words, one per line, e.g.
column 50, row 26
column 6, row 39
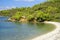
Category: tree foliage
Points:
column 49, row 10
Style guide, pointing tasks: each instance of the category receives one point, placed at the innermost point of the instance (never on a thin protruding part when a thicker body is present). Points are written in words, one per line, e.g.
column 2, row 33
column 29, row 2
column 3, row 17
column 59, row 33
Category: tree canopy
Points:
column 49, row 10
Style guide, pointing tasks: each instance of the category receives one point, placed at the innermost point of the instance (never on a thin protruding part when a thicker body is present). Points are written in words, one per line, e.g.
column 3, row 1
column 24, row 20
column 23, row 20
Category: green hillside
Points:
column 47, row 11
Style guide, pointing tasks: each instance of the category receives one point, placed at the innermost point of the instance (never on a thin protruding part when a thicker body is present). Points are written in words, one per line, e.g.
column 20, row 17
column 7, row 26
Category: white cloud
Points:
column 7, row 7
column 25, row 0
column 29, row 0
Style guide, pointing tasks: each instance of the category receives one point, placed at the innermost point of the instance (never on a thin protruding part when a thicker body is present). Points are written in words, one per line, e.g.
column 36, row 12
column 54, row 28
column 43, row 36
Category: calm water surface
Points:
column 22, row 31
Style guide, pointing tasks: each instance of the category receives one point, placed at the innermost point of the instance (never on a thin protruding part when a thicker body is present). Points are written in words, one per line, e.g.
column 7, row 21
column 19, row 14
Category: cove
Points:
column 22, row 31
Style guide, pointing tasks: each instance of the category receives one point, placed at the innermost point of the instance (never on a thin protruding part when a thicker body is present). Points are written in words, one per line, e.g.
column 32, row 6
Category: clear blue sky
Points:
column 7, row 4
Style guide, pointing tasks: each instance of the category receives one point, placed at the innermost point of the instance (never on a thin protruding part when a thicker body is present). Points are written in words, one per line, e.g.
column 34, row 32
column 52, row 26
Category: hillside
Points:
column 47, row 11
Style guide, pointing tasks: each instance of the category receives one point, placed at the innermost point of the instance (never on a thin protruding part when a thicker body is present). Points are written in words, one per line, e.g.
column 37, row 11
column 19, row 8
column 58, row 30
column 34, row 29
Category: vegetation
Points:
column 47, row 11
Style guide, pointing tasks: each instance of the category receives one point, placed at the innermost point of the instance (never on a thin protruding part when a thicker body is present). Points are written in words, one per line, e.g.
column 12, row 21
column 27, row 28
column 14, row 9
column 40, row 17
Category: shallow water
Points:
column 22, row 31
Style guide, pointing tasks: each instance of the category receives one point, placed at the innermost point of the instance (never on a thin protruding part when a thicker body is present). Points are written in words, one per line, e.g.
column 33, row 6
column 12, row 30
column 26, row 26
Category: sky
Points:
column 7, row 4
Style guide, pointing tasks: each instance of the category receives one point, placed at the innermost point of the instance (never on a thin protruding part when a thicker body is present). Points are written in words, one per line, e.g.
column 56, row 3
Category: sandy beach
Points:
column 53, row 35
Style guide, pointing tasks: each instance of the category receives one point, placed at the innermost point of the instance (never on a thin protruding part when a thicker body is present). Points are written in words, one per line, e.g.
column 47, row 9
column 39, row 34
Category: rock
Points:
column 11, row 19
column 23, row 20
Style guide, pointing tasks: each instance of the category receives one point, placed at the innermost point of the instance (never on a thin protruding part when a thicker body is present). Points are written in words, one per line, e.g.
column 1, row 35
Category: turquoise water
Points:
column 22, row 31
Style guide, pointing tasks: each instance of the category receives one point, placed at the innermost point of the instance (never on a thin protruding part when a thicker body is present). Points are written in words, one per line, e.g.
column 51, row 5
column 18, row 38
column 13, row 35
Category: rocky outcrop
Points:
column 11, row 19
column 23, row 20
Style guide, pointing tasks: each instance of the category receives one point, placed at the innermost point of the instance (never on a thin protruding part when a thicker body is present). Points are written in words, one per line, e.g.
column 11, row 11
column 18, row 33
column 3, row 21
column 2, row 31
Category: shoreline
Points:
column 53, row 35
